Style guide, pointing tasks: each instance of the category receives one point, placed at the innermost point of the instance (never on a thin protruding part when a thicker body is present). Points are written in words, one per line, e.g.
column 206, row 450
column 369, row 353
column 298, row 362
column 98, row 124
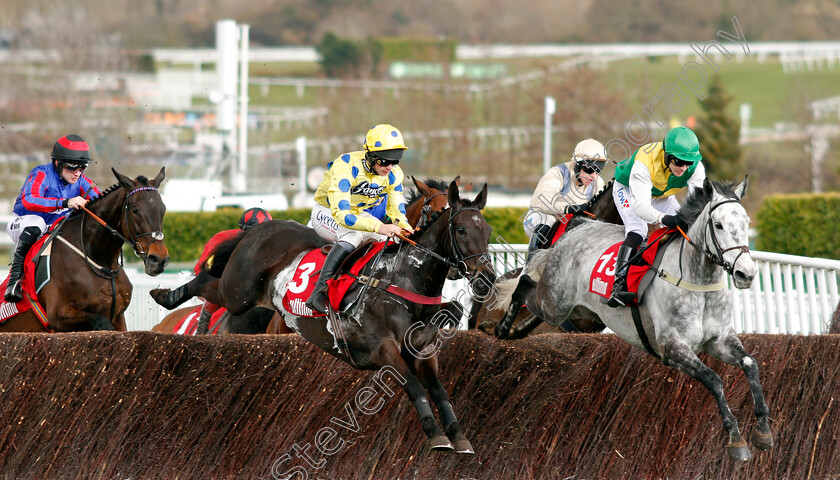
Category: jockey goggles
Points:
column 75, row 167
column 383, row 162
column 676, row 161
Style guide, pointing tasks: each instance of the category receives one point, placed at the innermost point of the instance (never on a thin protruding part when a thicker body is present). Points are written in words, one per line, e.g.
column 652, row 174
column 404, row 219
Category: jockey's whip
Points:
column 590, row 214
column 683, row 234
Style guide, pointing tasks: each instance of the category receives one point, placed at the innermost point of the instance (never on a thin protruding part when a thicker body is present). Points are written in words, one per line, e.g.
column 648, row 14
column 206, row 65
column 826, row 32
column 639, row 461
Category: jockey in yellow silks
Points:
column 643, row 193
column 354, row 182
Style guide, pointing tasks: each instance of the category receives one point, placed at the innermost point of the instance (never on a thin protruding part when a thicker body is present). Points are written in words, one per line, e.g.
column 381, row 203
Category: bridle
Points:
column 134, row 238
column 460, row 263
column 717, row 255
column 427, row 207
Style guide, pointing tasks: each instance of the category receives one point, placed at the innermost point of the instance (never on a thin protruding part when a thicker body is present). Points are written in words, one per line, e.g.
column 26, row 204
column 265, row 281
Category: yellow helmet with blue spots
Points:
column 386, row 142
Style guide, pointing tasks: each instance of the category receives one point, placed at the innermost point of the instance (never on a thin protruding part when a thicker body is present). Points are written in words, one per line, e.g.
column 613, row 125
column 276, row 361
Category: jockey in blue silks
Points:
column 49, row 193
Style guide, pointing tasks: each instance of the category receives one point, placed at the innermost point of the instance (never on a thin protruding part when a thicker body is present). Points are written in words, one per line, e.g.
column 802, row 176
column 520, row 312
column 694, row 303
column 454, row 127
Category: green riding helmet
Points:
column 682, row 143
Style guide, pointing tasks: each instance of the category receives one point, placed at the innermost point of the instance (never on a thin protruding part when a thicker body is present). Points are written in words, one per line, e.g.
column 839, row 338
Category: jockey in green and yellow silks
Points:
column 352, row 184
column 644, row 190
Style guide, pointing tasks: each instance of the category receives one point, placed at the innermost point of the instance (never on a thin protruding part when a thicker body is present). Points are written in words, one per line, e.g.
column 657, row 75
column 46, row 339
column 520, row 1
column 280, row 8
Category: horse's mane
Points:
column 598, row 195
column 412, row 194
column 102, row 195
column 697, row 200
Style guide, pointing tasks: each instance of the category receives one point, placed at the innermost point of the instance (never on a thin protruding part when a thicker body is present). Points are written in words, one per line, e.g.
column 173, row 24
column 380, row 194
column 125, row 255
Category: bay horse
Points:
column 678, row 318
column 392, row 333
column 427, row 197
column 88, row 288
column 486, row 313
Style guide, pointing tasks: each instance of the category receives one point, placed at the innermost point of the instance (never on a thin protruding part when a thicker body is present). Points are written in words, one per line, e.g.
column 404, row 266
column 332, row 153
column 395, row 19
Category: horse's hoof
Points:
column 440, row 444
column 487, row 327
column 159, row 295
column 464, row 446
column 739, row 452
column 762, row 441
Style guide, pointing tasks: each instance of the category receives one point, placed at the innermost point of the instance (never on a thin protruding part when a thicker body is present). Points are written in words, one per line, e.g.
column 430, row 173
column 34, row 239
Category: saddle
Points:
column 300, row 287
column 642, row 269
column 36, row 274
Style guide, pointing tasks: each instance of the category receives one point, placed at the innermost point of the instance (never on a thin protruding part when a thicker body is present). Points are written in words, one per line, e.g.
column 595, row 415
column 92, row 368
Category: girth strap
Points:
column 640, row 330
column 399, row 291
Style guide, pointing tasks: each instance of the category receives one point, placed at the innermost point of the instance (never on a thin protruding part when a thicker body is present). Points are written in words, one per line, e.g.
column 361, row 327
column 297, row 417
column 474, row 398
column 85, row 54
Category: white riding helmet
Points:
column 590, row 153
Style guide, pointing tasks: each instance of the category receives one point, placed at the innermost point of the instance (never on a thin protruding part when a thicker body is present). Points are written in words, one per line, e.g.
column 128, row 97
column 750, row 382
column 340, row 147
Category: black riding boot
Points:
column 620, row 297
column 539, row 240
column 14, row 290
column 203, row 326
column 318, row 300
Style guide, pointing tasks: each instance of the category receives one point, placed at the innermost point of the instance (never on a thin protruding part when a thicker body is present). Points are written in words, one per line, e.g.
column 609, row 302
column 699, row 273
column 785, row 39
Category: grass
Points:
column 773, row 95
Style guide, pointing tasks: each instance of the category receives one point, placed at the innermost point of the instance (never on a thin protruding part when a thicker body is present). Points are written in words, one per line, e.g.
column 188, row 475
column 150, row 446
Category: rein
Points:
column 135, row 244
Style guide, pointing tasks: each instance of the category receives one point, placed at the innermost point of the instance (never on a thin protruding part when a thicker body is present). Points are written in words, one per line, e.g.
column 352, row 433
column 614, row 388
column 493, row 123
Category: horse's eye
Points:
column 718, row 225
column 135, row 210
column 462, row 230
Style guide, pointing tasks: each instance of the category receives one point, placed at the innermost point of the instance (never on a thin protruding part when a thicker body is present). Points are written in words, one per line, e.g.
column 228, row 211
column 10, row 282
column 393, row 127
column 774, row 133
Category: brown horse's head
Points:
column 142, row 220
column 432, row 199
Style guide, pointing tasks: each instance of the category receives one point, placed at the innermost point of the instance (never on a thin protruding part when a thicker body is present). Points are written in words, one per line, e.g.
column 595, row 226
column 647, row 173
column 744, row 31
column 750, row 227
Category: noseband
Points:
column 717, row 255
column 427, row 208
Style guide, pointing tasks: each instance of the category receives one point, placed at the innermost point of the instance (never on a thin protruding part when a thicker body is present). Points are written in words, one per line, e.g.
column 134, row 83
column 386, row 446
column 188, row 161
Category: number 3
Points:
column 304, row 272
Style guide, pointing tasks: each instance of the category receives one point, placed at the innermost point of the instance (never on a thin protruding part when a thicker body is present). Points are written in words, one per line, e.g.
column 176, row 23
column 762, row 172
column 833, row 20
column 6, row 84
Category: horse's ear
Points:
column 453, row 196
column 422, row 187
column 159, row 178
column 741, row 188
column 457, row 180
column 481, row 199
column 124, row 181
column 708, row 188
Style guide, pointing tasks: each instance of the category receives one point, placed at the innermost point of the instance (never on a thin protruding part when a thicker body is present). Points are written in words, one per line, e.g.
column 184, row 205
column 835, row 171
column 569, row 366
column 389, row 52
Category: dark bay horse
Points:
column 392, row 333
column 485, row 315
column 89, row 290
column 687, row 309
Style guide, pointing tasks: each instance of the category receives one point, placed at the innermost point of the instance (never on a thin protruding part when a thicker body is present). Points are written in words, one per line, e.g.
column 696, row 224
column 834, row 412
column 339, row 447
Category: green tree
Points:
column 345, row 58
column 719, row 134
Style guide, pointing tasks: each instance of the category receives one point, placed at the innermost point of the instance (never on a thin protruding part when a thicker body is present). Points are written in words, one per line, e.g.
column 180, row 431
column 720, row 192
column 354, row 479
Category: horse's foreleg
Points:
column 389, row 355
column 523, row 288
column 525, row 327
column 680, row 356
column 427, row 371
column 730, row 350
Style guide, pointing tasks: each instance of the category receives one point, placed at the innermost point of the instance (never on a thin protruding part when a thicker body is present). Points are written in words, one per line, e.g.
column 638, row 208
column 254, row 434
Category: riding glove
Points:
column 575, row 209
column 673, row 221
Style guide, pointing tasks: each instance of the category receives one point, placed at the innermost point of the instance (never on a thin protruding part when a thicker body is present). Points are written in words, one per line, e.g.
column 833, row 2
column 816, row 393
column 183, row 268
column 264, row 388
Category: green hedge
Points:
column 803, row 224
column 187, row 232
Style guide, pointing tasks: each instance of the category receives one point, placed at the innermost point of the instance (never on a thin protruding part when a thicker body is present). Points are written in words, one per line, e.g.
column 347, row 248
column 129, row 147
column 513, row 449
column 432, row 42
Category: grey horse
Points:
column 679, row 322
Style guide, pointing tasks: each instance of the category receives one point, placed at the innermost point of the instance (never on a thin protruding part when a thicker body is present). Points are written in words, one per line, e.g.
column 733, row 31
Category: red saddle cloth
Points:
column 603, row 274
column 30, row 298
column 189, row 323
column 562, row 225
column 300, row 287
